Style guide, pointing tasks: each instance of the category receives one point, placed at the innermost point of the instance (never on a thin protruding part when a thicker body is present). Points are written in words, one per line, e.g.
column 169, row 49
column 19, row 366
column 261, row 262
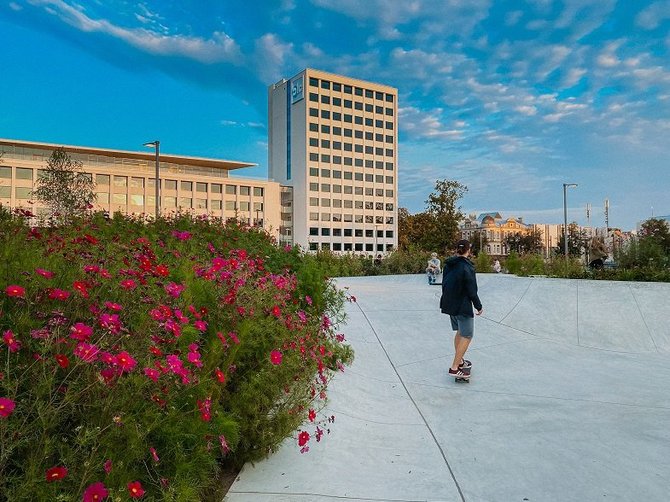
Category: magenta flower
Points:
column 81, row 332
column 224, row 444
column 113, row 306
column 174, row 289
column 275, row 357
column 200, row 325
column 154, row 455
column 303, row 437
column 44, row 273
column 182, row 236
column 135, row 489
column 126, row 362
column 59, row 294
column 128, row 284
column 87, row 352
column 95, row 492
column 13, row 344
column 6, row 407
column 107, row 466
column 205, row 408
column 152, row 373
column 16, row 291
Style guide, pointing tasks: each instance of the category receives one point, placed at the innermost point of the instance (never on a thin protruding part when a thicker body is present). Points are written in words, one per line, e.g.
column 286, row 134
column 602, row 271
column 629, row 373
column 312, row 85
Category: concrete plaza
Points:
column 569, row 399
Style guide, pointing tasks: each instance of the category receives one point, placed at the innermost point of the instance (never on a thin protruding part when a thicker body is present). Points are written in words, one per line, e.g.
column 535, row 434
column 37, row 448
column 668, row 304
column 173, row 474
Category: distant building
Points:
column 495, row 229
column 125, row 182
column 334, row 141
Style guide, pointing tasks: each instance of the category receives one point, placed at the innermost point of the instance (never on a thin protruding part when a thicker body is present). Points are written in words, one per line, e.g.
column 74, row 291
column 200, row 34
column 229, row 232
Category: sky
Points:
column 511, row 98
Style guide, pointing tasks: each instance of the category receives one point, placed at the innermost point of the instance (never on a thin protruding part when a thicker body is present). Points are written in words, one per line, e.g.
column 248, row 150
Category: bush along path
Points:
column 138, row 358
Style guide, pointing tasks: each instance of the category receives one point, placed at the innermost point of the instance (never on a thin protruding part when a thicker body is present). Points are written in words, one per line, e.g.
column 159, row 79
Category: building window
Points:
column 314, row 201
column 119, row 198
column 325, row 114
column 216, row 188
column 245, row 206
column 325, row 129
column 313, row 171
column 216, row 205
column 24, row 174
column 170, row 185
column 6, row 173
column 313, row 231
column 358, row 106
column 313, row 112
column 313, row 96
column 325, row 84
column 137, row 200
column 258, row 191
column 313, row 187
column 325, row 99
column 120, row 181
column 169, row 201
column 186, row 186
column 314, row 157
column 22, row 193
column 348, row 103
column 313, row 142
column 313, row 216
column 185, row 202
column 358, row 91
column 325, row 231
column 313, row 82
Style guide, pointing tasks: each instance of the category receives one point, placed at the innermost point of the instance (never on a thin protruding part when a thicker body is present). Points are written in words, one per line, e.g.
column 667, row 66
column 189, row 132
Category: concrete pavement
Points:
column 569, row 399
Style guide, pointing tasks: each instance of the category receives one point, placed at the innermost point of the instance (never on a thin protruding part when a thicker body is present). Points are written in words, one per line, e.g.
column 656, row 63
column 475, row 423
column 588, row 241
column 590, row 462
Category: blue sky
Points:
column 511, row 98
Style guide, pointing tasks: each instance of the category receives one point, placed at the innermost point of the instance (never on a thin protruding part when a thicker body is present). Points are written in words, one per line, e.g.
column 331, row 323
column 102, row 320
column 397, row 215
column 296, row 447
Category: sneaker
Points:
column 465, row 364
column 459, row 373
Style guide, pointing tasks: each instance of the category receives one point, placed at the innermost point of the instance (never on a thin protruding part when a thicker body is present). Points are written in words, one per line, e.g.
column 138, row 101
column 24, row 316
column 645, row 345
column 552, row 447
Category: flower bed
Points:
column 138, row 358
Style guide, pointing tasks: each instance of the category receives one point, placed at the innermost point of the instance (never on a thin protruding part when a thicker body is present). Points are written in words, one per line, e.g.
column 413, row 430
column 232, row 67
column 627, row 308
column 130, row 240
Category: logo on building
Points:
column 297, row 89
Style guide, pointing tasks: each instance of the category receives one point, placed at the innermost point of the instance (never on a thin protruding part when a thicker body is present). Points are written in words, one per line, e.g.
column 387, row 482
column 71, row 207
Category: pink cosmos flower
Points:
column 81, row 288
column 194, row 359
column 233, row 336
column 113, row 306
column 87, row 352
column 224, row 444
column 107, row 466
column 174, row 289
column 56, row 473
column 276, row 311
column 14, row 290
column 107, row 358
column 200, row 325
column 275, row 357
column 308, row 299
column 135, row 490
column 110, row 322
column 182, row 236
column 13, row 344
column 125, row 362
column 81, row 332
column 220, row 376
column 152, row 373
column 205, row 408
column 6, row 407
column 128, row 284
column 59, row 294
column 311, row 415
column 95, row 492
column 154, row 455
column 44, row 273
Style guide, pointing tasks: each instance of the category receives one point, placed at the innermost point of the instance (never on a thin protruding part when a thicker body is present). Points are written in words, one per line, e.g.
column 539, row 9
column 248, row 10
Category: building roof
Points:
column 149, row 155
column 494, row 215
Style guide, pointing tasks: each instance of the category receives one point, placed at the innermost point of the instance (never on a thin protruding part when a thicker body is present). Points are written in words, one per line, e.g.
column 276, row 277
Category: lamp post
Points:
column 565, row 216
column 157, row 146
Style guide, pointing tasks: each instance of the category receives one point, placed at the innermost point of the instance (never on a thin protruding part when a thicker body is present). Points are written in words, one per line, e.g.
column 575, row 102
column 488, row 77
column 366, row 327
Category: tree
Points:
column 530, row 242
column 657, row 231
column 442, row 208
column 478, row 241
column 63, row 188
column 577, row 241
column 415, row 229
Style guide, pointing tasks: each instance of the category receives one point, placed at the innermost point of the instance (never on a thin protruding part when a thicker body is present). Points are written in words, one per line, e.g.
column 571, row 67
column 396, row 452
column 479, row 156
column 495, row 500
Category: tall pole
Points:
column 565, row 217
column 157, row 146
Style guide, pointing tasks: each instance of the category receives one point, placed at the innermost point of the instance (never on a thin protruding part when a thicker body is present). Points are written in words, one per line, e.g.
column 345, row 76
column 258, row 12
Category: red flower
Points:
column 80, row 287
column 81, row 332
column 205, row 408
column 86, row 352
column 62, row 360
column 303, row 437
column 128, row 284
column 14, row 290
column 275, row 357
column 135, row 489
column 161, row 270
column 113, row 306
column 56, row 473
column 174, row 289
column 126, row 362
column 152, row 373
column 276, row 311
column 59, row 294
column 13, row 344
column 95, row 492
column 219, row 375
column 154, row 455
column 6, row 407
column 311, row 415
column 44, row 273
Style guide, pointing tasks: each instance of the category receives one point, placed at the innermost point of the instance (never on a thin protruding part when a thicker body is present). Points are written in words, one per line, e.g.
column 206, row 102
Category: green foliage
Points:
column 63, row 188
column 242, row 349
column 483, row 263
column 577, row 241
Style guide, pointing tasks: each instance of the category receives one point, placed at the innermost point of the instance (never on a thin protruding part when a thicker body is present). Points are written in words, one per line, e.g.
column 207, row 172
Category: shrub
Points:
column 143, row 356
column 483, row 263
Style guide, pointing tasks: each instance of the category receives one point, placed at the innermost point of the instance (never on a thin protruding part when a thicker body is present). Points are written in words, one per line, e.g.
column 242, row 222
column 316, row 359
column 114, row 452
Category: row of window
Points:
column 349, row 246
column 345, row 131
column 347, row 103
column 348, row 89
column 351, row 204
column 349, row 147
column 350, row 232
column 24, row 173
column 339, row 160
column 348, row 189
column 351, row 119
column 351, row 218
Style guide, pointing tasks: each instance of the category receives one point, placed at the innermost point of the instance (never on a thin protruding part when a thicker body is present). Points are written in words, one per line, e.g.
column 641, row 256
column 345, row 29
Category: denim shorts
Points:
column 463, row 324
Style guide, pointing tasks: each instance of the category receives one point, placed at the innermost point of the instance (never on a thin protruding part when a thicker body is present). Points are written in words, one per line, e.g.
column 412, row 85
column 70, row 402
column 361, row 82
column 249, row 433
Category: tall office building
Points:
column 333, row 147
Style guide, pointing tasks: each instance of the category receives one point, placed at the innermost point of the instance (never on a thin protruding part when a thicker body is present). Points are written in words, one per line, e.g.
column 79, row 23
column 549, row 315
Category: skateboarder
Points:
column 459, row 294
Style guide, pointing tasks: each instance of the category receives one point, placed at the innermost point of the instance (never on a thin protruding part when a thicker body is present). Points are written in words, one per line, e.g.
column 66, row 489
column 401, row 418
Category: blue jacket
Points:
column 459, row 287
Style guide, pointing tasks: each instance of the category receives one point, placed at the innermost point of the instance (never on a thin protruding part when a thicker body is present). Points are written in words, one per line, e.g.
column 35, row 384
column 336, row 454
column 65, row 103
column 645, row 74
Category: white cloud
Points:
column 526, row 110
column 651, row 17
column 427, row 124
column 15, row 7
column 219, row 48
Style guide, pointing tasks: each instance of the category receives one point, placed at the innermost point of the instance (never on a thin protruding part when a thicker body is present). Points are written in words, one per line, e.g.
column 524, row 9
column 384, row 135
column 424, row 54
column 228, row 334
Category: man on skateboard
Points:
column 459, row 294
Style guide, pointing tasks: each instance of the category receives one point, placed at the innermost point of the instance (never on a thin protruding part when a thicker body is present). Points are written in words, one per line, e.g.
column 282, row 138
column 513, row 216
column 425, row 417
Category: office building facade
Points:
column 125, row 182
column 333, row 147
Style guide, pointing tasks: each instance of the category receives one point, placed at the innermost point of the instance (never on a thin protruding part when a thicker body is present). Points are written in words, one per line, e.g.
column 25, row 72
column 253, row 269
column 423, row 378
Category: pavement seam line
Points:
column 577, row 314
column 643, row 319
column 336, row 497
column 519, row 301
column 402, row 382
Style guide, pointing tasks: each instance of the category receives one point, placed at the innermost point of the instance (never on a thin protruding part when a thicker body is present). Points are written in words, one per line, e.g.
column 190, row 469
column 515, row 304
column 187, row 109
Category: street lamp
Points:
column 157, row 146
column 565, row 216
